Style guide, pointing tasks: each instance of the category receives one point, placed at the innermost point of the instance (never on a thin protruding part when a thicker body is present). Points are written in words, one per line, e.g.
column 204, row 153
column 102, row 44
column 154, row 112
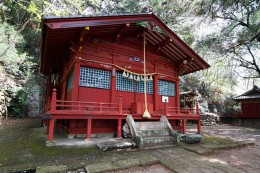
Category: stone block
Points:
column 50, row 144
column 148, row 160
column 52, row 169
column 123, row 164
column 100, row 167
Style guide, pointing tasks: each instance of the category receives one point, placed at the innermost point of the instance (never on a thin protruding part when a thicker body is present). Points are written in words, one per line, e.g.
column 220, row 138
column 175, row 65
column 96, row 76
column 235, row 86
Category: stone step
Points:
column 158, row 141
column 151, row 125
column 153, row 132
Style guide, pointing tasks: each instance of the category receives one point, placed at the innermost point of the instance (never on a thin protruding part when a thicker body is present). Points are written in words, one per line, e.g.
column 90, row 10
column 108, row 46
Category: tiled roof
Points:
column 251, row 94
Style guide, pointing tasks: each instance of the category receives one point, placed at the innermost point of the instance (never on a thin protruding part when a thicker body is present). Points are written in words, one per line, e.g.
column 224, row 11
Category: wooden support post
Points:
column 183, row 126
column 165, row 109
column 155, row 91
column 178, row 96
column 76, row 77
column 198, row 114
column 198, row 126
column 120, row 105
column 89, row 127
column 198, row 109
column 119, row 128
column 51, row 130
column 47, row 126
column 113, row 99
column 53, row 100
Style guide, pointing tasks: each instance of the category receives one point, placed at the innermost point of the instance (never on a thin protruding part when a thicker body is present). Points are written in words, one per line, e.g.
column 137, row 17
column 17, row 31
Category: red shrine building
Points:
column 250, row 108
column 98, row 68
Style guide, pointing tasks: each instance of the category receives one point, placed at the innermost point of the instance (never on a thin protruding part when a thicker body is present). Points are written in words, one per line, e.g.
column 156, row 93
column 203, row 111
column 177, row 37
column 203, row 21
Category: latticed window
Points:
column 140, row 87
column 90, row 77
column 70, row 80
column 166, row 88
column 124, row 84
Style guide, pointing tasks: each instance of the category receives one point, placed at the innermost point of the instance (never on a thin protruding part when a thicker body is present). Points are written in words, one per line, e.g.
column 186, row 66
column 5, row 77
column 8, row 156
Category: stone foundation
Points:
column 249, row 122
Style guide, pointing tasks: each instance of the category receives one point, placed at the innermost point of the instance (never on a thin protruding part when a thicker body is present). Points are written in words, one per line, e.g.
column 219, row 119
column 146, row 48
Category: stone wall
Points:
column 249, row 122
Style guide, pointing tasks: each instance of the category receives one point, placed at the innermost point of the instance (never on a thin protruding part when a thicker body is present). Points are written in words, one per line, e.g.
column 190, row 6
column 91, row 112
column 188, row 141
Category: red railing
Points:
column 181, row 111
column 57, row 106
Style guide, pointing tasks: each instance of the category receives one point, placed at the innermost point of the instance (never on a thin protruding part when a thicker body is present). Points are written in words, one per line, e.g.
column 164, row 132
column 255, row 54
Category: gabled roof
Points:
column 254, row 93
column 57, row 33
column 189, row 93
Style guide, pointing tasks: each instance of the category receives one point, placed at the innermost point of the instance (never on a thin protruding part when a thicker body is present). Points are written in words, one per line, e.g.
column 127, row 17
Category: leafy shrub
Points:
column 18, row 106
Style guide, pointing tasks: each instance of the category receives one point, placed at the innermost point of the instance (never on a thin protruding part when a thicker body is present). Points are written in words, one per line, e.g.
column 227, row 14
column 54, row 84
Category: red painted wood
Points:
column 165, row 108
column 89, row 128
column 53, row 100
column 198, row 126
column 88, row 94
column 184, row 126
column 51, row 130
column 120, row 104
column 155, row 93
column 75, row 91
column 81, row 119
column 177, row 93
column 250, row 109
column 119, row 128
column 113, row 86
column 139, row 108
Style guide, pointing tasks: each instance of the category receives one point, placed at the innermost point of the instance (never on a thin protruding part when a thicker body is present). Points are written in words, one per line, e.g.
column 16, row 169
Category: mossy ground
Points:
column 23, row 146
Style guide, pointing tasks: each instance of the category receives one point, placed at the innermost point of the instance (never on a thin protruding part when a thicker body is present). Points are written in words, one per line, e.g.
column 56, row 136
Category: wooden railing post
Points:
column 197, row 109
column 53, row 99
column 165, row 108
column 120, row 105
column 100, row 107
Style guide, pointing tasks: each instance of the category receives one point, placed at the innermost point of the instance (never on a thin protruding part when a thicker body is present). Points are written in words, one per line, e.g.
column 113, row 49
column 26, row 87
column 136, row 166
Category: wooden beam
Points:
column 83, row 33
column 121, row 31
column 159, row 46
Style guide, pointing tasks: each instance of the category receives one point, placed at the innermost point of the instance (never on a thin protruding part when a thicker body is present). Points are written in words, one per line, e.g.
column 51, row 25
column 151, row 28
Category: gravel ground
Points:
column 245, row 158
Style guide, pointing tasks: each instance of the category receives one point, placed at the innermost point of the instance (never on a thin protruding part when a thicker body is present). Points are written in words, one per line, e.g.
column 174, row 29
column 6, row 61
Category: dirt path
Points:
column 245, row 158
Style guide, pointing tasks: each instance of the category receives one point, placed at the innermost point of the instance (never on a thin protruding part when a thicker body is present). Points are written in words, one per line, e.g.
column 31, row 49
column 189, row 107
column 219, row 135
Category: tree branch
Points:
column 13, row 40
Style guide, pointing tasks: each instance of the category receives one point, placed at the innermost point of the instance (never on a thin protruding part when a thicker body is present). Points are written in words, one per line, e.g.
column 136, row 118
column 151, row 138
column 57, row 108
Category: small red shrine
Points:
column 98, row 68
column 250, row 107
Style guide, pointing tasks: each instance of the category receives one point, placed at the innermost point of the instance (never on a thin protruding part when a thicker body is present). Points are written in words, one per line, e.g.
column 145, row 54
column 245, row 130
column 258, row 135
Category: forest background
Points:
column 225, row 33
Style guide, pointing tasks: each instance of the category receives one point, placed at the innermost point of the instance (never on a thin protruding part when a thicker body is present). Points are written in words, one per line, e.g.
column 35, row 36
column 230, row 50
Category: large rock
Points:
column 189, row 138
column 113, row 146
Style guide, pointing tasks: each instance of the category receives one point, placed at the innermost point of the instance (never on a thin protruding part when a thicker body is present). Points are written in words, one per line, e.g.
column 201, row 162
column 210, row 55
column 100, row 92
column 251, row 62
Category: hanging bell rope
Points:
column 146, row 114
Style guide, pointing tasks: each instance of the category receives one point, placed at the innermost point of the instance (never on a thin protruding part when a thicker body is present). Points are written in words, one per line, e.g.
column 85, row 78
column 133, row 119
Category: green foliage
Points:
column 19, row 104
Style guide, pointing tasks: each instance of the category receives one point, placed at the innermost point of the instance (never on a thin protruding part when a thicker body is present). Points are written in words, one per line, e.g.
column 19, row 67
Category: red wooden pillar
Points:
column 89, row 128
column 53, row 100
column 199, row 126
column 177, row 95
column 120, row 104
column 119, row 128
column 183, row 126
column 75, row 90
column 113, row 86
column 51, row 130
column 155, row 93
column 165, row 108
